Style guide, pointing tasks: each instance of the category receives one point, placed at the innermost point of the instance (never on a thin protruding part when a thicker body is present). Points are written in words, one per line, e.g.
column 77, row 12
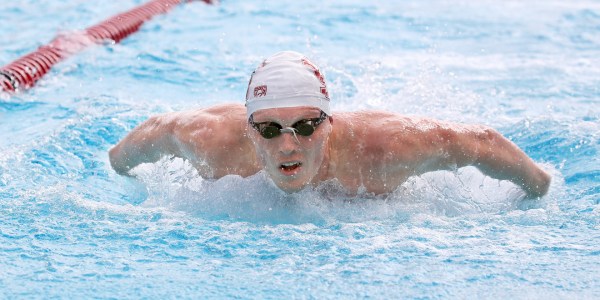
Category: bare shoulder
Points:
column 377, row 128
column 204, row 116
column 215, row 139
column 395, row 136
column 392, row 125
column 200, row 132
column 215, row 122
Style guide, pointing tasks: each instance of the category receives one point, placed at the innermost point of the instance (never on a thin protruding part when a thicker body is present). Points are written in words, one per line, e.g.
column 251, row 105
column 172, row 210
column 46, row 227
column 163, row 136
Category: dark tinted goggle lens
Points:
column 270, row 131
column 304, row 129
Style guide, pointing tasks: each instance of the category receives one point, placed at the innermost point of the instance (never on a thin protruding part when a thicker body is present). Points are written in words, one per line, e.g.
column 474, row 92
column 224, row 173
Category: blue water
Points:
column 71, row 228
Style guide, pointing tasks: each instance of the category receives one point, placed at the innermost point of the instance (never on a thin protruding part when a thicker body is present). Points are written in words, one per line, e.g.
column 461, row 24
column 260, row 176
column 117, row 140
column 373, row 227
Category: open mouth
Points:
column 290, row 167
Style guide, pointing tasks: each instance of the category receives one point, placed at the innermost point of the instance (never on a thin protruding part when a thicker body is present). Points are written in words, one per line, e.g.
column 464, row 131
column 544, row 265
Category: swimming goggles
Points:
column 304, row 127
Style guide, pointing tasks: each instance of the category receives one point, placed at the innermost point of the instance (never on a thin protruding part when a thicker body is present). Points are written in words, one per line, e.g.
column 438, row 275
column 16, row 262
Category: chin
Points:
column 291, row 186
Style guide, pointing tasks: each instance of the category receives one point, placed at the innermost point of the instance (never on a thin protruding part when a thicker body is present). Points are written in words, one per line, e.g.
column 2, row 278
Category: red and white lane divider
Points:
column 24, row 72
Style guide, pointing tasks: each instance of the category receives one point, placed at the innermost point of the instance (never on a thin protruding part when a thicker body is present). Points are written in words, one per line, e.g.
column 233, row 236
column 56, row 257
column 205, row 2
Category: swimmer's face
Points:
column 292, row 162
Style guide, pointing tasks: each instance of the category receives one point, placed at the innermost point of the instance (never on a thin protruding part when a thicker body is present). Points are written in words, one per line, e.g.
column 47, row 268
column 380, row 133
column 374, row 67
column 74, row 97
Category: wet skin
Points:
column 371, row 149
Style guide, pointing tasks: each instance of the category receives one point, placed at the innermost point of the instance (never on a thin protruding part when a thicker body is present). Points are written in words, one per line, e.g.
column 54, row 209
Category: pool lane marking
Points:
column 23, row 73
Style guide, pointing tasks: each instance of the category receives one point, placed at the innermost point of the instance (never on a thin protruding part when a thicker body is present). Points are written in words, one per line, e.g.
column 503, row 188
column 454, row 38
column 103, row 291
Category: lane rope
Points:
column 23, row 73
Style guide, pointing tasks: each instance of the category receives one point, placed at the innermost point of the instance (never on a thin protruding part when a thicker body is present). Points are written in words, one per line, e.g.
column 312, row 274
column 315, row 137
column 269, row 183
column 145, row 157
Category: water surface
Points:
column 70, row 227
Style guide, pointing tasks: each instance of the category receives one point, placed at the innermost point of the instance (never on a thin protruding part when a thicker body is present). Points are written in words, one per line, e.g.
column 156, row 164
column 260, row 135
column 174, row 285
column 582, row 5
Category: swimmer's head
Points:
column 286, row 79
column 288, row 120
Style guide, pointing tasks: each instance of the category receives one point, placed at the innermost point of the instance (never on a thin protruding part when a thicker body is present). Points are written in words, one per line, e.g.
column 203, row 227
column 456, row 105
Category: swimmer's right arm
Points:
column 146, row 143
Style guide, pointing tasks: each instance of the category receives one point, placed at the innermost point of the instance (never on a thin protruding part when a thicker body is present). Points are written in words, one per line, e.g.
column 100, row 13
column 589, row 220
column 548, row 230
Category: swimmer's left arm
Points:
column 497, row 157
column 443, row 146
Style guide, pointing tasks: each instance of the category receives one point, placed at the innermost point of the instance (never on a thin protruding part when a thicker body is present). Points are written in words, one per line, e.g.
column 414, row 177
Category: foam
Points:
column 174, row 184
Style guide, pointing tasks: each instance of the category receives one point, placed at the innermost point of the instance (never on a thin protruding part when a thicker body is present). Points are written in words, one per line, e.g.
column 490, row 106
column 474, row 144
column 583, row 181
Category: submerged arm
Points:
column 147, row 143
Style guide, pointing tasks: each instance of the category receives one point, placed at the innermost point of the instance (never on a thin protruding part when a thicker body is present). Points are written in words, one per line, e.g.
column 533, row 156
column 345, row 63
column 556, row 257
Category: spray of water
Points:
column 175, row 184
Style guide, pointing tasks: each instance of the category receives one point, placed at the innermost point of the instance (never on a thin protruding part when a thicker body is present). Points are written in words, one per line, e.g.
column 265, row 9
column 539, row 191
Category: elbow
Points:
column 145, row 144
column 116, row 161
column 488, row 136
column 485, row 144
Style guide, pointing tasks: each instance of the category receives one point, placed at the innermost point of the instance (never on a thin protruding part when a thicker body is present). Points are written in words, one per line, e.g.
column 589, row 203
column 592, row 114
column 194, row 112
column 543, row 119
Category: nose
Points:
column 289, row 143
column 292, row 131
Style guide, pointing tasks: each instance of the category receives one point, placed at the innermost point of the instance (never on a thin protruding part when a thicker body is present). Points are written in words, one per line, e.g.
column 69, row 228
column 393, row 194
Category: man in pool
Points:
column 287, row 129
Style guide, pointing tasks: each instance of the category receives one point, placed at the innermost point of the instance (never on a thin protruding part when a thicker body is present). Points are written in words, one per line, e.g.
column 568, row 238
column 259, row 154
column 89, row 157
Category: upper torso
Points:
column 374, row 150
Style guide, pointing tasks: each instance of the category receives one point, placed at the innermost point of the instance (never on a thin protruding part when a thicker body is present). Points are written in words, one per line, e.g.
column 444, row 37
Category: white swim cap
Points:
column 286, row 79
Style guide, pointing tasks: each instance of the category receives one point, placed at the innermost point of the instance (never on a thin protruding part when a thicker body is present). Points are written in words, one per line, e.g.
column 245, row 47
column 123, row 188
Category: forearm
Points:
column 499, row 158
column 126, row 156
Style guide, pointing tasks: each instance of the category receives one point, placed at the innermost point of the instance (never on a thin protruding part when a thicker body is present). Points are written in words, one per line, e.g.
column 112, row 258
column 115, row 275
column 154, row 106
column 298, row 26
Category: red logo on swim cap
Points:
column 260, row 91
column 324, row 92
column 319, row 76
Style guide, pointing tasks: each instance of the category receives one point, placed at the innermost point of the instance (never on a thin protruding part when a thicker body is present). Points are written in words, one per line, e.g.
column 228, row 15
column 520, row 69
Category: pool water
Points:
column 71, row 228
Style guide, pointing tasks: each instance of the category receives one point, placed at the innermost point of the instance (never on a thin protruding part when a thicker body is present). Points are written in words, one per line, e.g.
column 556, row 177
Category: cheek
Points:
column 315, row 149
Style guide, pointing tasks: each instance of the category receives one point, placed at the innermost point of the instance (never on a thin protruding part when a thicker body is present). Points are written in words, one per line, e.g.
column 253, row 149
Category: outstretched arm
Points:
column 146, row 143
column 496, row 157
column 213, row 139
column 428, row 145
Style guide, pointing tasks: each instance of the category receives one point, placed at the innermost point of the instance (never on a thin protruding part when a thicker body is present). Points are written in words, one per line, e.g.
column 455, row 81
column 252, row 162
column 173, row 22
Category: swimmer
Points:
column 287, row 129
